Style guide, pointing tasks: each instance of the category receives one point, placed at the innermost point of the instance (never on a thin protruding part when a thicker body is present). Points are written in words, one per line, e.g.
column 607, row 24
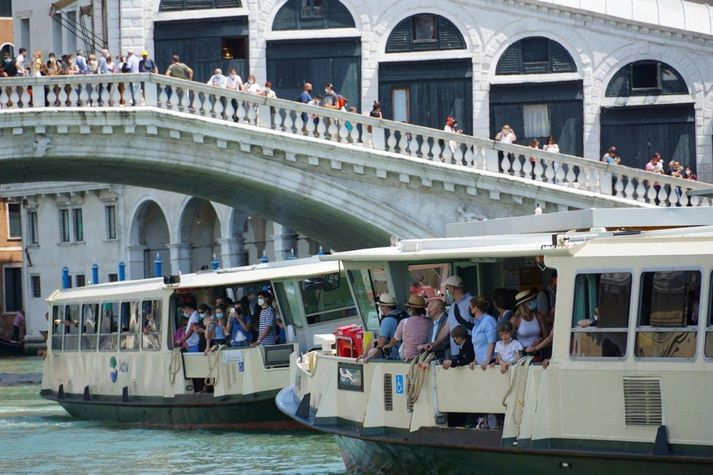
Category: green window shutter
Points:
column 400, row 38
column 286, row 18
column 560, row 58
column 199, row 4
column 171, row 5
column 227, row 4
column 338, row 16
column 448, row 35
column 511, row 60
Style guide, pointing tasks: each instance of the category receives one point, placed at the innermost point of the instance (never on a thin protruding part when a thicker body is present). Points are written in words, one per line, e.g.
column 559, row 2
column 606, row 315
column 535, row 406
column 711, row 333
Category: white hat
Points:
column 386, row 299
column 523, row 296
column 454, row 281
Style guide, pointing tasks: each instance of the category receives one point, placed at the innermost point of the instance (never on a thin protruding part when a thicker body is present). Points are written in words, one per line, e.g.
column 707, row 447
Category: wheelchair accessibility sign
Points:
column 399, row 383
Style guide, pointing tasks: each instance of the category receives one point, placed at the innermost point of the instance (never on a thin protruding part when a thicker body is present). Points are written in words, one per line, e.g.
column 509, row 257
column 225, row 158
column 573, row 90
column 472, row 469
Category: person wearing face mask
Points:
column 268, row 323
column 525, row 321
column 239, row 327
column 456, row 297
column 215, row 333
column 192, row 336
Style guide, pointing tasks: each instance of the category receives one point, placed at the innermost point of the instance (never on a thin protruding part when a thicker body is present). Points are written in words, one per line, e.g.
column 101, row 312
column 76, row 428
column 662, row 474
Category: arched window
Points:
column 424, row 32
column 535, row 55
column 312, row 15
column 646, row 78
column 176, row 5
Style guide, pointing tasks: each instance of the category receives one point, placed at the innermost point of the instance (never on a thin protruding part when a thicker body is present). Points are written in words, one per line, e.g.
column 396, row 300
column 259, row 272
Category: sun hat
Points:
column 386, row 299
column 416, row 301
column 523, row 296
column 454, row 281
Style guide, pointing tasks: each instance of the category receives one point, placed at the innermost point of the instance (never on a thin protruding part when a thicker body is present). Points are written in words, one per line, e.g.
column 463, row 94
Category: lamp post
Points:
column 95, row 273
column 264, row 259
column 122, row 271
column 65, row 278
column 214, row 263
column 157, row 266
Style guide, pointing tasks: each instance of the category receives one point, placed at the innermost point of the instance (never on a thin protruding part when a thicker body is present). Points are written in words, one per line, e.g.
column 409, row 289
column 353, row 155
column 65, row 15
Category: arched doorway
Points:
column 200, row 231
column 149, row 237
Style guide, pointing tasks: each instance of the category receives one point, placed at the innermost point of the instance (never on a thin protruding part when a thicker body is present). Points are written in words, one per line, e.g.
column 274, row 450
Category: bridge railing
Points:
column 357, row 130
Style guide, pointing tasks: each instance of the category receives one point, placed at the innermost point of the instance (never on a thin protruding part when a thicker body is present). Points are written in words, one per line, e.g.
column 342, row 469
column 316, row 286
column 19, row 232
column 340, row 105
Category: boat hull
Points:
column 190, row 412
column 455, row 451
column 9, row 348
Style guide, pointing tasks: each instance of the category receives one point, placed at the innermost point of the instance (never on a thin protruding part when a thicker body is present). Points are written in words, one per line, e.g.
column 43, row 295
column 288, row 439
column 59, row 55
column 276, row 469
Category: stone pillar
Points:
column 180, row 257
column 136, row 262
column 231, row 252
column 284, row 239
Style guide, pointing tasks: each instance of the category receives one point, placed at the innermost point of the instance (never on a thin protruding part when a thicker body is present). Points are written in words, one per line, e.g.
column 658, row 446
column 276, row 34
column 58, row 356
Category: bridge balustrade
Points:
column 349, row 129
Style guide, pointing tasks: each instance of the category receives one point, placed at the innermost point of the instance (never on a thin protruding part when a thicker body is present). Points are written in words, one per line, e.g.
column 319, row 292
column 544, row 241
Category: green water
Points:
column 37, row 436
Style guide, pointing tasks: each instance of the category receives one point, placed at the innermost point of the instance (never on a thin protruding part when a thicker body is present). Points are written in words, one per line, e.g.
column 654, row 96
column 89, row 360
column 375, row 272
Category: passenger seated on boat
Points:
column 239, row 327
column 192, row 336
column 466, row 354
column 412, row 331
column 215, row 333
column 180, row 333
column 507, row 350
column 389, row 316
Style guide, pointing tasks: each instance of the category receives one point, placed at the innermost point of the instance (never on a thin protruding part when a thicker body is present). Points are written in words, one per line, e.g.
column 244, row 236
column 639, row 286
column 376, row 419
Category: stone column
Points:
column 180, row 257
column 136, row 262
column 231, row 252
column 284, row 239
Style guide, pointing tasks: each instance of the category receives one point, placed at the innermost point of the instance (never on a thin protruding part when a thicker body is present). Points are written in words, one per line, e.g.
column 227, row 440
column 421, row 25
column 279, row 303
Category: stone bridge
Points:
column 345, row 179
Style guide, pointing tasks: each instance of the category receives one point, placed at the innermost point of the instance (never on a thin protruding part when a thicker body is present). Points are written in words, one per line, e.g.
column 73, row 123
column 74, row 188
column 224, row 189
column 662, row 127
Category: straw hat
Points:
column 523, row 297
column 416, row 301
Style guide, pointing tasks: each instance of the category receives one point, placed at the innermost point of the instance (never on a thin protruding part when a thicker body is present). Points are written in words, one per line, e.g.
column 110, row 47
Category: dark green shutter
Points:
column 400, row 38
column 511, row 61
column 448, row 35
column 171, row 5
column 560, row 58
column 338, row 16
column 286, row 18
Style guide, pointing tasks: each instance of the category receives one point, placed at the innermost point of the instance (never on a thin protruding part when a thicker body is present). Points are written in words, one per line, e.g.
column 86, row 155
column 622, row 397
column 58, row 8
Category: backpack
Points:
column 125, row 67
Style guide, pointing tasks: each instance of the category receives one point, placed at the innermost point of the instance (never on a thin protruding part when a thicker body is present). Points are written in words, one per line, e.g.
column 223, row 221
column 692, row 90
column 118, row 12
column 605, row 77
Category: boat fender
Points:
column 125, row 394
column 86, row 396
column 661, row 442
column 60, row 392
column 303, row 410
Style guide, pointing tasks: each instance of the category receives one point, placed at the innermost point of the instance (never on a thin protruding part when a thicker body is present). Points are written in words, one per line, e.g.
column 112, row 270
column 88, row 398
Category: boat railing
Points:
column 350, row 129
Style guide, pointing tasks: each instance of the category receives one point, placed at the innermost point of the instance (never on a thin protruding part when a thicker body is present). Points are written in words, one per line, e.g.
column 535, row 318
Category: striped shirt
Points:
column 267, row 320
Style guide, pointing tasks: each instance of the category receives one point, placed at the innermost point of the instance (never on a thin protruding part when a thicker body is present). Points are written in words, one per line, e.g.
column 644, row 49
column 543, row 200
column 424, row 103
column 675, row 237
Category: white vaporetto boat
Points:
column 628, row 393
column 111, row 354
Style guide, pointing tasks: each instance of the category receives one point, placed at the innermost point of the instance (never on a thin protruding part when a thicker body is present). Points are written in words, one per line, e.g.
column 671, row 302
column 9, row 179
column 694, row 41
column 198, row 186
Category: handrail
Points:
column 421, row 143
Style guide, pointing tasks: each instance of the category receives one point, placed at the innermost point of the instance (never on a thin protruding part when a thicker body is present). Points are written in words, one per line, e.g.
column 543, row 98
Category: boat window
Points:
column 58, row 326
column 289, row 300
column 71, row 318
column 600, row 316
column 130, row 326
column 150, row 322
column 90, row 313
column 427, row 280
column 709, row 330
column 668, row 314
column 322, row 305
column 368, row 285
column 109, row 327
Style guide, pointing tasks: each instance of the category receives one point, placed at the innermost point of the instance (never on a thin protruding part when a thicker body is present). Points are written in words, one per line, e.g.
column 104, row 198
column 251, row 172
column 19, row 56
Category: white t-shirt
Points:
column 217, row 80
column 507, row 351
column 194, row 320
column 233, row 82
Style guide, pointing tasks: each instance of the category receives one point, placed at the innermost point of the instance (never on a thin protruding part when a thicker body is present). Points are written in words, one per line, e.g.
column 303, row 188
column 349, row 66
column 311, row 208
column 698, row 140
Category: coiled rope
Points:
column 213, row 356
column 517, row 382
column 174, row 365
column 416, row 376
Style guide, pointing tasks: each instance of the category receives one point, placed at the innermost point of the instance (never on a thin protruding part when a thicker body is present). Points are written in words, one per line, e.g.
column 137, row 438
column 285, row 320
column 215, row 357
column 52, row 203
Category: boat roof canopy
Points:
column 223, row 277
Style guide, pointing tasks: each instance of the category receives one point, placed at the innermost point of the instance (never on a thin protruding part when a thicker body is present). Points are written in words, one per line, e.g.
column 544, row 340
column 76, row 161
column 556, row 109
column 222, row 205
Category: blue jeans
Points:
column 193, row 349
column 239, row 344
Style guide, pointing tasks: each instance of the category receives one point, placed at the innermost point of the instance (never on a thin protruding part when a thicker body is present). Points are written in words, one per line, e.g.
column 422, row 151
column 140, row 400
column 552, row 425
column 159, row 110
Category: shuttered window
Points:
column 424, row 32
column 312, row 15
column 535, row 55
column 177, row 5
column 644, row 78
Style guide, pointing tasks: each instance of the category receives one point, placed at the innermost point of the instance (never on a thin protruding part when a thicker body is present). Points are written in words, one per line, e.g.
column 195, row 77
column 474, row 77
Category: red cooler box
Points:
column 350, row 341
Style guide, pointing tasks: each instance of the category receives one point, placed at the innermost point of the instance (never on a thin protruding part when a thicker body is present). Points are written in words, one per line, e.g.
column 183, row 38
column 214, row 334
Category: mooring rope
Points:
column 416, row 376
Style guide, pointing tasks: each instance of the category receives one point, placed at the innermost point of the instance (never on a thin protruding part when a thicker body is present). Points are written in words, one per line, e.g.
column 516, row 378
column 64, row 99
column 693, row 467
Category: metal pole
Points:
column 122, row 271
column 66, row 283
column 95, row 273
column 157, row 264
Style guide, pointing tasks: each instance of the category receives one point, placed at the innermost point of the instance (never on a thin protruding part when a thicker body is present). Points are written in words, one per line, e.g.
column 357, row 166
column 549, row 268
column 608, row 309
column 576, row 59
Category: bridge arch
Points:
column 200, row 230
column 149, row 235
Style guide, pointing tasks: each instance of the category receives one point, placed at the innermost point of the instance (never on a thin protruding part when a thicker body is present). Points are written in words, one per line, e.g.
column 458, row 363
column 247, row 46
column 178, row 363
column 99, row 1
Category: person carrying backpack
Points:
column 390, row 316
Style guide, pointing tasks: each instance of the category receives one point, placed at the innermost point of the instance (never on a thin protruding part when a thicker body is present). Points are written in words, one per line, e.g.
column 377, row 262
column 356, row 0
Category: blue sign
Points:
column 399, row 383
column 241, row 366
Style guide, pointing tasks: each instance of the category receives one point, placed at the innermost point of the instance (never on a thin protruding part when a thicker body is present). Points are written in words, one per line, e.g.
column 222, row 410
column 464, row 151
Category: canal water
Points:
column 37, row 436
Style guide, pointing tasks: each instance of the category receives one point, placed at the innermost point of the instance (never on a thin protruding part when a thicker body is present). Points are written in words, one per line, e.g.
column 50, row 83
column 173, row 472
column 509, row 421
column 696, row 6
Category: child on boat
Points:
column 507, row 350
column 466, row 353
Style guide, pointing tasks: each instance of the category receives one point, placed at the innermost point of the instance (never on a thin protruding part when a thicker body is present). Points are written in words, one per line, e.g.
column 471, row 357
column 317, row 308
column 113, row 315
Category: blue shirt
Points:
column 464, row 307
column 387, row 330
column 305, row 97
column 484, row 333
column 235, row 327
